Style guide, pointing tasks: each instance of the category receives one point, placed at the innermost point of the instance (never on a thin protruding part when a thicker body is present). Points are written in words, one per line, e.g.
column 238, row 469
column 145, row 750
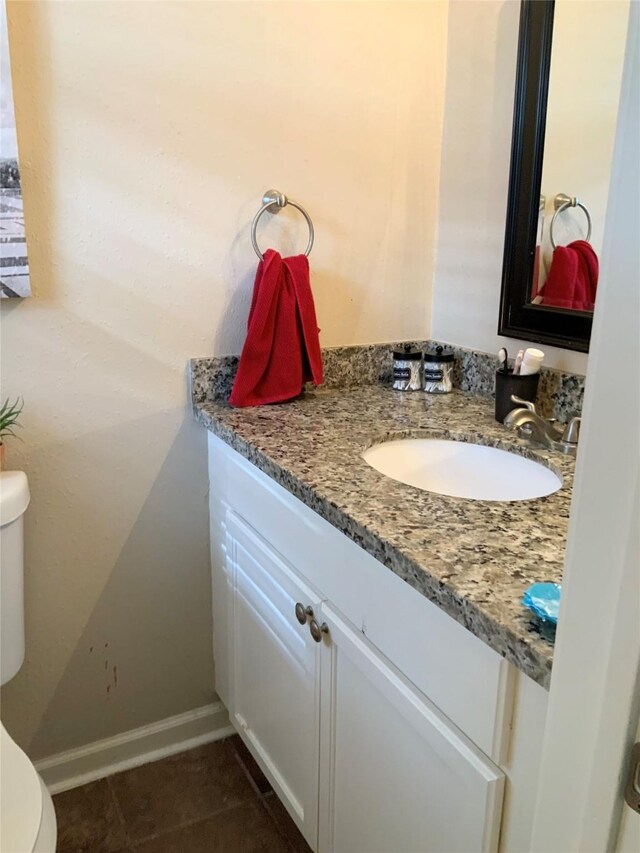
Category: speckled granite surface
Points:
column 559, row 395
column 472, row 558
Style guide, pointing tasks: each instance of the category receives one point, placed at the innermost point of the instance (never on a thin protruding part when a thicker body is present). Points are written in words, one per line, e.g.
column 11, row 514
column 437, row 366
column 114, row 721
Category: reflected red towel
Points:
column 282, row 349
column 573, row 277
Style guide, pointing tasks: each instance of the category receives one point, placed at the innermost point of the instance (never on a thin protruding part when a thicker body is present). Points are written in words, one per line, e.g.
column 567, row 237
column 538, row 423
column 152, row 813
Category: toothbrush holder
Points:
column 525, row 387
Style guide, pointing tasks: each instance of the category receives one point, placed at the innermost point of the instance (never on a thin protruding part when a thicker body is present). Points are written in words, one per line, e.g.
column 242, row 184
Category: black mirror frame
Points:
column 518, row 317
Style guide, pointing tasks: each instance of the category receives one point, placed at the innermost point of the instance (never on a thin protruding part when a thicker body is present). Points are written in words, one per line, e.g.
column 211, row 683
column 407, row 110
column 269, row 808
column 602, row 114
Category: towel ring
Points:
column 269, row 199
column 563, row 202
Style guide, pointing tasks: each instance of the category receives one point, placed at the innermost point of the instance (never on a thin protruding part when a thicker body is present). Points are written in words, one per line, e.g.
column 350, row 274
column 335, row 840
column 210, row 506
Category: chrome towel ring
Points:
column 274, row 198
column 563, row 202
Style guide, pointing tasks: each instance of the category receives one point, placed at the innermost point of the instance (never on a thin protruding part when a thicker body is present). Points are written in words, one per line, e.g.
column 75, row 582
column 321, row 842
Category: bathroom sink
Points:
column 462, row 470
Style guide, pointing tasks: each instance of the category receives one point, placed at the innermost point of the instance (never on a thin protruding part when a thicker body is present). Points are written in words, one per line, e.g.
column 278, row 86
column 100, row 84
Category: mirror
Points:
column 570, row 57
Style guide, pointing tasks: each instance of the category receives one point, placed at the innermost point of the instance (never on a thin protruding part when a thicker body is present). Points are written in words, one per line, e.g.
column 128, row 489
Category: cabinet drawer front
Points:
column 466, row 679
column 395, row 775
column 274, row 672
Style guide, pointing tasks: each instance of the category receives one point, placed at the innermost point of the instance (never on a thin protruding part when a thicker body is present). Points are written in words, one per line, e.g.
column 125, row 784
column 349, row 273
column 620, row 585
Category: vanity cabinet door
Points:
column 274, row 672
column 395, row 775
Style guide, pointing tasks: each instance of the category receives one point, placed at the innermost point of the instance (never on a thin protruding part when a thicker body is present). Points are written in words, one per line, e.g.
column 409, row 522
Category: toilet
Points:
column 27, row 817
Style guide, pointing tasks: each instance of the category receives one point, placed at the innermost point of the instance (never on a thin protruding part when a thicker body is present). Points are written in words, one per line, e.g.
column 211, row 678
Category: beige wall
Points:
column 148, row 132
column 476, row 149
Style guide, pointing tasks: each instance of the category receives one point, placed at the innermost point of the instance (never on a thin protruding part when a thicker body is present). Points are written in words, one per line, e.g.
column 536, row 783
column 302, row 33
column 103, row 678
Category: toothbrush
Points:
column 503, row 360
column 516, row 367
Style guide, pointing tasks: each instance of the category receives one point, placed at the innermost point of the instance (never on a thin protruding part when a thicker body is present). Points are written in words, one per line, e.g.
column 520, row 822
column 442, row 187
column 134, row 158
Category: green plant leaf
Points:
column 9, row 414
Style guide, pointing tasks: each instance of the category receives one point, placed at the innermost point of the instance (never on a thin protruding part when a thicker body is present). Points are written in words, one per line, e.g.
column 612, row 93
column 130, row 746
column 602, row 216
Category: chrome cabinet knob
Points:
column 303, row 612
column 318, row 630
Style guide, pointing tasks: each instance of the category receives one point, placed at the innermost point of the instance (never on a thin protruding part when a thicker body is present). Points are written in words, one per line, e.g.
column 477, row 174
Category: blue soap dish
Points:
column 544, row 600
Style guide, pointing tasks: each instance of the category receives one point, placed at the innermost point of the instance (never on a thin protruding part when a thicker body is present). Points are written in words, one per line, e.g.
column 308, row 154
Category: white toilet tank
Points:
column 27, row 816
column 14, row 499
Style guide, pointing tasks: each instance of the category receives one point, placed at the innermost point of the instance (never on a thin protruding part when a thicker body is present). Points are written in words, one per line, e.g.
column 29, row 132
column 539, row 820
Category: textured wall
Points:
column 476, row 150
column 148, row 132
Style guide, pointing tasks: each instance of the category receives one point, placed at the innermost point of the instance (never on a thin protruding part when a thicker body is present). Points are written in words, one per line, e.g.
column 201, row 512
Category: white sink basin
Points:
column 462, row 470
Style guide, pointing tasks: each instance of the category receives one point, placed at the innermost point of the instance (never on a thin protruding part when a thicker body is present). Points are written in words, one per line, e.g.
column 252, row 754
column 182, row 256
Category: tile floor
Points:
column 212, row 799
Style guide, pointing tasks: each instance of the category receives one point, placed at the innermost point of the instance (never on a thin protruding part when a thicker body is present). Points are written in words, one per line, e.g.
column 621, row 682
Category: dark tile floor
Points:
column 212, row 799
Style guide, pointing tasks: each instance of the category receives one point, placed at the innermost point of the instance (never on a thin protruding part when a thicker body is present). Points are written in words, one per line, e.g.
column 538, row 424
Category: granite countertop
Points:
column 474, row 559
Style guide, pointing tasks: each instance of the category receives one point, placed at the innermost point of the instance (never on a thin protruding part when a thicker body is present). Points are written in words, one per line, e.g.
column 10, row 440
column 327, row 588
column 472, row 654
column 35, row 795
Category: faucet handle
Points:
column 572, row 431
column 526, row 404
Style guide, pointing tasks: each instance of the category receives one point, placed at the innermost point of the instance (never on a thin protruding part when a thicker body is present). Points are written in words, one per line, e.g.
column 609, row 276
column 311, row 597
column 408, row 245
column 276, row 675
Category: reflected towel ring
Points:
column 563, row 202
column 269, row 199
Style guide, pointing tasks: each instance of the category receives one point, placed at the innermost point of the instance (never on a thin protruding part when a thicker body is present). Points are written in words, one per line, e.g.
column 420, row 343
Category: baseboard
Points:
column 131, row 749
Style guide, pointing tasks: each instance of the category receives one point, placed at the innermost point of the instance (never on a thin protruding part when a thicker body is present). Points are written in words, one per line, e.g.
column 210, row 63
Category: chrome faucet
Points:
column 530, row 425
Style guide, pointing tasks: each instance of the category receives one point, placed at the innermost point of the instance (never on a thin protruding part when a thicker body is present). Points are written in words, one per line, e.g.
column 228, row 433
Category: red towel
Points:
column 282, row 349
column 573, row 278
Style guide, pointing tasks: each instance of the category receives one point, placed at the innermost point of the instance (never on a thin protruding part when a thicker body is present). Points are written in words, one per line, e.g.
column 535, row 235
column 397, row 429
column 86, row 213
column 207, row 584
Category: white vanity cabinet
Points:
column 382, row 724
column 395, row 774
column 274, row 671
